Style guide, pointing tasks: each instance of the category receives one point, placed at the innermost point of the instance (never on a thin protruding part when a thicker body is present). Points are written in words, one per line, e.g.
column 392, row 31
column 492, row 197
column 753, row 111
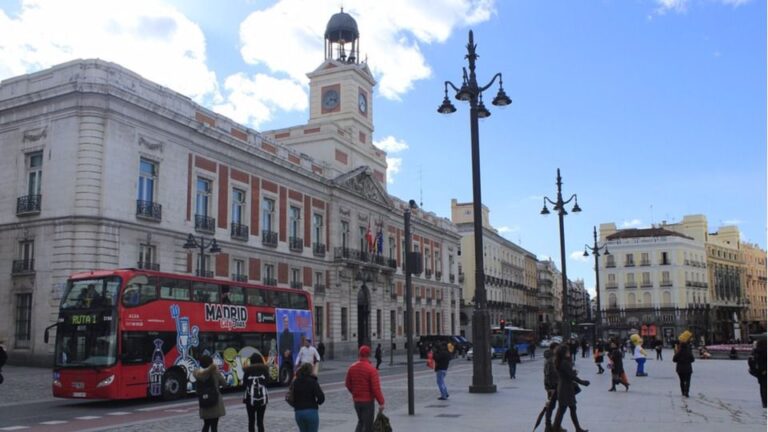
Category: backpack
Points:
column 255, row 390
column 207, row 393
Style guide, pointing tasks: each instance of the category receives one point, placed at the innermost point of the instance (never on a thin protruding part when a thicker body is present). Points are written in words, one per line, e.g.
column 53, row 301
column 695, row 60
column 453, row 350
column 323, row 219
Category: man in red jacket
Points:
column 363, row 382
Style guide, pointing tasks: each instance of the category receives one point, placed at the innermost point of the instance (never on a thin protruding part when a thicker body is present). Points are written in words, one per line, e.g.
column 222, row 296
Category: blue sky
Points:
column 652, row 109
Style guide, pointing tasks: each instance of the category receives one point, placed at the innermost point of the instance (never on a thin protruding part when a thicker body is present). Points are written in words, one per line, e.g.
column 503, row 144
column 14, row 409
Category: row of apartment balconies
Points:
column 632, row 264
column 650, row 285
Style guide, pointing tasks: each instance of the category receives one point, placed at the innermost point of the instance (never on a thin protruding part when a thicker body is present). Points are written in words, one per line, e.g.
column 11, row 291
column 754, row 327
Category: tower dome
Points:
column 341, row 32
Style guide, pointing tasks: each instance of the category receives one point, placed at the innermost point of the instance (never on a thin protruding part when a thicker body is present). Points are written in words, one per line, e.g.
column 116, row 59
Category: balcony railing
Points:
column 610, row 265
column 428, row 273
column 629, row 264
column 611, row 286
column 438, row 275
column 451, row 278
column 149, row 210
column 239, row 277
column 296, row 285
column 204, row 273
column 269, row 238
column 630, row 285
column 342, row 253
column 665, row 283
column 646, row 285
column 205, row 224
column 270, row 281
column 23, row 266
column 318, row 249
column 392, row 263
column 28, row 205
column 645, row 263
column 239, row 231
column 296, row 244
column 319, row 288
column 148, row 265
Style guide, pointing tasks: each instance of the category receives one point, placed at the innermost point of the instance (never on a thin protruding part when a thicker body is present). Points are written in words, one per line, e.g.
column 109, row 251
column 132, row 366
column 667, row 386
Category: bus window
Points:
column 260, row 342
column 228, row 344
column 140, row 290
column 256, row 297
column 281, row 300
column 299, row 301
column 232, row 295
column 205, row 292
column 174, row 289
column 138, row 347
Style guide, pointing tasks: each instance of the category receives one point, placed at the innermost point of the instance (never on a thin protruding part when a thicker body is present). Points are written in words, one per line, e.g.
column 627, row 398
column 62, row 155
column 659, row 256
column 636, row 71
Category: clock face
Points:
column 330, row 99
column 362, row 103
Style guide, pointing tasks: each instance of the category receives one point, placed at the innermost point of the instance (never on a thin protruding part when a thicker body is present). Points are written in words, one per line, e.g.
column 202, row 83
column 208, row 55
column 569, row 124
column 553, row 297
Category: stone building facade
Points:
column 105, row 169
column 755, row 287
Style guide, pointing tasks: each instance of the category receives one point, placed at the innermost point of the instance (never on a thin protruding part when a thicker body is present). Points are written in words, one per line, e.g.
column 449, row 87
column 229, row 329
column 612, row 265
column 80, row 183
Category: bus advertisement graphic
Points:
column 294, row 326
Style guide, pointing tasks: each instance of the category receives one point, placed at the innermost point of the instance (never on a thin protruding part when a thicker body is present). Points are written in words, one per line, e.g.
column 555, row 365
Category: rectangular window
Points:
column 203, row 197
column 344, row 324
column 147, row 256
column 630, row 260
column 23, row 320
column 644, row 260
column 268, row 214
column 630, row 278
column 34, row 173
column 319, row 279
column 147, row 180
column 392, row 323
column 295, row 222
column 392, row 248
column 438, row 323
column 665, row 258
column 295, row 278
column 438, row 263
column 363, row 242
column 417, row 326
column 238, row 206
column 378, row 323
column 269, row 274
column 317, row 228
column 240, row 271
column 427, row 260
column 27, row 250
column 646, row 278
column 665, row 277
column 609, row 261
column 344, row 234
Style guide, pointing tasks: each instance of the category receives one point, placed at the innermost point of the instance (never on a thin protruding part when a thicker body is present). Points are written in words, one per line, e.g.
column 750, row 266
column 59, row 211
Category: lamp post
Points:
column 470, row 91
column 559, row 206
column 202, row 244
column 596, row 251
column 408, row 305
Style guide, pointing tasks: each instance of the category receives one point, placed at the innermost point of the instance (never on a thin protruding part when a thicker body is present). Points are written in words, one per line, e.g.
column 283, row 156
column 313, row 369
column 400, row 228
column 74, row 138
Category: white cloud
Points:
column 631, row 223
column 393, row 167
column 681, row 6
column 579, row 256
column 288, row 37
column 253, row 100
column 146, row 36
column 733, row 222
column 391, row 144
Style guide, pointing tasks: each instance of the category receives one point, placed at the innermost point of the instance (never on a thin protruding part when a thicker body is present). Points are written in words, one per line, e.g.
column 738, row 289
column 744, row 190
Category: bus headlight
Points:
column 106, row 381
column 56, row 379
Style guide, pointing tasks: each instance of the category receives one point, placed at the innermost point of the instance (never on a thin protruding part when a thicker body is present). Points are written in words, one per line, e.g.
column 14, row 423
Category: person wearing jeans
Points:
column 363, row 383
column 442, row 359
column 307, row 397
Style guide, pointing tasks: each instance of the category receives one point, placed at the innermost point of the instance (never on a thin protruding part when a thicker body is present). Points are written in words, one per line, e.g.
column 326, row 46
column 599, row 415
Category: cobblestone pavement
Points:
column 723, row 398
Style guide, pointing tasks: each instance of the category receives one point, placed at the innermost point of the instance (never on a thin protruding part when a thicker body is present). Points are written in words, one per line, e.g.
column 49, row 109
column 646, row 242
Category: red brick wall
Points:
column 282, row 272
column 222, row 265
column 223, row 195
column 254, row 268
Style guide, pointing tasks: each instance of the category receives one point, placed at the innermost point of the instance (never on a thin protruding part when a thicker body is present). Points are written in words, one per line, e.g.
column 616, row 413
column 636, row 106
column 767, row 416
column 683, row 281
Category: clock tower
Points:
column 341, row 89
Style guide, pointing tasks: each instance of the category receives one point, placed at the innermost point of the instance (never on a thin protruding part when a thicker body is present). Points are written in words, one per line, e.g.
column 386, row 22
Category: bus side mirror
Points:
column 45, row 336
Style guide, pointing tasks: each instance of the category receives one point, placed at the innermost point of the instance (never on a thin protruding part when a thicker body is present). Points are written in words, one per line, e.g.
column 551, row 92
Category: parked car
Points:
column 545, row 343
column 460, row 344
column 471, row 352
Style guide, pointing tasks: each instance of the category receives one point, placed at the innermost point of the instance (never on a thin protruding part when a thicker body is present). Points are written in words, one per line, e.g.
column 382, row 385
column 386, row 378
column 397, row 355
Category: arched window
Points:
column 647, row 299
column 667, row 298
column 631, row 300
column 612, row 300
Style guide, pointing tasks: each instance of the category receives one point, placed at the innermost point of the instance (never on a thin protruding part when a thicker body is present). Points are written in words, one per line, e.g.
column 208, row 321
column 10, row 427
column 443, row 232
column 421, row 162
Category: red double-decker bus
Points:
column 131, row 333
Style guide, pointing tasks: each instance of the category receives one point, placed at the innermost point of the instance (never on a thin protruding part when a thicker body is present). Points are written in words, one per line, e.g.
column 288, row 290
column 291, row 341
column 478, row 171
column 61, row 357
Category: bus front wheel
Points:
column 174, row 385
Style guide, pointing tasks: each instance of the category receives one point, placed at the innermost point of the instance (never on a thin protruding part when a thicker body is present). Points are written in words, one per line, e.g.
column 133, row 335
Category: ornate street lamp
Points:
column 559, row 206
column 470, row 91
column 596, row 251
column 202, row 244
column 407, row 268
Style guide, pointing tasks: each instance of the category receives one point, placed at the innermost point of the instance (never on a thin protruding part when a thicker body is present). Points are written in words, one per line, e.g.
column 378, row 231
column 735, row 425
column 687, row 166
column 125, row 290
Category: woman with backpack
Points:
column 208, row 381
column 256, row 396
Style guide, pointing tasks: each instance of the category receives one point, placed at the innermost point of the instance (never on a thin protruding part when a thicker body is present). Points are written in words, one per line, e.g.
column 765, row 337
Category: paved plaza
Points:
column 724, row 397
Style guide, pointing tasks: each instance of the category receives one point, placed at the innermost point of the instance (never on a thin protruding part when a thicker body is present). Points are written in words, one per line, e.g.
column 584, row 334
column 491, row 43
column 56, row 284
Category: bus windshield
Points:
column 91, row 293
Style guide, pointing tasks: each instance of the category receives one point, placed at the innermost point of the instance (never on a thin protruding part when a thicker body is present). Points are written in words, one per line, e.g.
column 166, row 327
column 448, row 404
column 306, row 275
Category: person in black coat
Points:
column 256, row 397
column 684, row 357
column 307, row 397
column 512, row 357
column 757, row 366
column 566, row 389
column 617, row 367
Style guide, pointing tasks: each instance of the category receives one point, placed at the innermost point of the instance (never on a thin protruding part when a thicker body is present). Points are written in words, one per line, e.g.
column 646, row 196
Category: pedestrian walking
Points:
column 757, row 366
column 584, row 348
column 307, row 398
column 442, row 360
column 321, row 350
column 617, row 368
column 574, row 348
column 255, row 378
column 532, row 350
column 3, row 359
column 684, row 358
column 363, row 383
column 378, row 356
column 599, row 357
column 567, row 389
column 639, row 355
column 659, row 347
column 308, row 354
column 208, row 381
column 512, row 357
column 550, row 384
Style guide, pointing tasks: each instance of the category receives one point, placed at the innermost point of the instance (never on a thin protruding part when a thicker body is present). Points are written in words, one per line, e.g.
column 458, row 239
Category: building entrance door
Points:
column 363, row 316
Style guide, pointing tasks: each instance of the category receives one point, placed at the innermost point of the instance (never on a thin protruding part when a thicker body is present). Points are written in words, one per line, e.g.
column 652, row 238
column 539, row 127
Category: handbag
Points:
column 576, row 389
column 381, row 424
column 289, row 395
